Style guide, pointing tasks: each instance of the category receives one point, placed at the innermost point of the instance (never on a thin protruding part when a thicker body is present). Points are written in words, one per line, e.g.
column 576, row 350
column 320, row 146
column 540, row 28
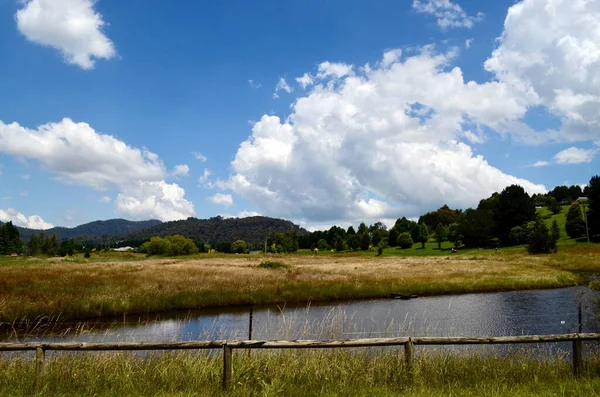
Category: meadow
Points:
column 307, row 373
column 112, row 285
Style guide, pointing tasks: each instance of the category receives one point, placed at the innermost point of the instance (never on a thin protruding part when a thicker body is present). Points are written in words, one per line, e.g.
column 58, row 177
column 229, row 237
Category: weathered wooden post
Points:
column 577, row 357
column 40, row 356
column 227, row 367
column 250, row 325
column 408, row 356
column 580, row 318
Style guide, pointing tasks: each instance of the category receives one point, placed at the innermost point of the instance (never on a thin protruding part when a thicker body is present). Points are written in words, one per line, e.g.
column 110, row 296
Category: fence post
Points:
column 408, row 356
column 577, row 357
column 40, row 356
column 227, row 367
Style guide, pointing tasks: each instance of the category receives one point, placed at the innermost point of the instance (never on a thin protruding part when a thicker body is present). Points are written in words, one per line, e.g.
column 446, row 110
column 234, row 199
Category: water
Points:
column 490, row 314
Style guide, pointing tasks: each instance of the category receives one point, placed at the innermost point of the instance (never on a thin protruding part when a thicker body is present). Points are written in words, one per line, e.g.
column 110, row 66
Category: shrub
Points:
column 273, row 265
column 405, row 240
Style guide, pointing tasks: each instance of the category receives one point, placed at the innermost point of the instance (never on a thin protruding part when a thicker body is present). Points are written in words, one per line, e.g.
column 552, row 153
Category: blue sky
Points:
column 103, row 100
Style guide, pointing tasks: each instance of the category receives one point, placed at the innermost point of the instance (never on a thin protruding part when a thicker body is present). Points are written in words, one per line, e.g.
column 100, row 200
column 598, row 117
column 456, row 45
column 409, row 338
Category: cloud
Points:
column 448, row 14
column 105, row 200
column 181, row 170
column 24, row 193
column 241, row 214
column 253, row 84
column 18, row 219
column 200, row 157
column 282, row 85
column 335, row 70
column 156, row 199
column 390, row 57
column 26, row 177
column 549, row 53
column 71, row 26
column 575, row 155
column 222, row 199
column 78, row 154
column 305, row 81
column 379, row 144
column 540, row 164
column 469, row 43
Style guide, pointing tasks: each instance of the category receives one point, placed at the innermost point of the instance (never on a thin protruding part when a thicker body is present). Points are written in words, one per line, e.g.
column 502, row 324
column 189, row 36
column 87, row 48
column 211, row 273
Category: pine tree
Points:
column 575, row 225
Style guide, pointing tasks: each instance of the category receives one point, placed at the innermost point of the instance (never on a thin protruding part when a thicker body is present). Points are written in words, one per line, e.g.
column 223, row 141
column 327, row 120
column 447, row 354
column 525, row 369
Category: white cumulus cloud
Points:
column 200, row 157
column 105, row 200
column 448, row 14
column 549, row 53
column 18, row 219
column 78, row 154
column 305, row 81
column 378, row 144
column 575, row 155
column 222, row 199
column 71, row 26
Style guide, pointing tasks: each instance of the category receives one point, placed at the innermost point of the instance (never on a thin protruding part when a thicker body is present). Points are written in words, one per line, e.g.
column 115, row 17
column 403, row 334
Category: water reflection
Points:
column 492, row 314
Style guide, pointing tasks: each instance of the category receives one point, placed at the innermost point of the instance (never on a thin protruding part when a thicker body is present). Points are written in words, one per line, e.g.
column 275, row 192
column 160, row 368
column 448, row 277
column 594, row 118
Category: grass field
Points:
column 299, row 373
column 78, row 288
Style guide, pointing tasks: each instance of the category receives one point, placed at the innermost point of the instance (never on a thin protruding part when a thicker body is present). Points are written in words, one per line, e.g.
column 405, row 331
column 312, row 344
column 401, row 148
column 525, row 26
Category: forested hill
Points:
column 222, row 230
column 93, row 229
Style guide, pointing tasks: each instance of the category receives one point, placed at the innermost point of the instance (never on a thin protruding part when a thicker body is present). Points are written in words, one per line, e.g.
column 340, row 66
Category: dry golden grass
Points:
column 76, row 289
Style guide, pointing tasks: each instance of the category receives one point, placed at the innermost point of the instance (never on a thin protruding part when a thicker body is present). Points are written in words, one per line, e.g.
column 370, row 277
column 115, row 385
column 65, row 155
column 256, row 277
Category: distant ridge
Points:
column 218, row 229
column 93, row 229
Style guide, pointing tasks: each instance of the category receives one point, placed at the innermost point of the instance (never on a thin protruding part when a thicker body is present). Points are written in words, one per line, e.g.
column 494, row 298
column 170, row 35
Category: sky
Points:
column 319, row 111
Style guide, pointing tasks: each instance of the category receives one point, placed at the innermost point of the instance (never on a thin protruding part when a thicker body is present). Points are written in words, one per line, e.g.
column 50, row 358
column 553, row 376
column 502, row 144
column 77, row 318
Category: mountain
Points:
column 222, row 230
column 93, row 229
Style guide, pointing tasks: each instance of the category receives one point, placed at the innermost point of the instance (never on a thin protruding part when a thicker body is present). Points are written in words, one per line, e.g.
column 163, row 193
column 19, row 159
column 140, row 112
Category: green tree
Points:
column 454, row 235
column 238, row 247
column 403, row 225
column 476, row 228
column 441, row 234
column 593, row 215
column 353, row 241
column 362, row 229
column 322, row 245
column 34, row 245
column 365, row 241
column 405, row 240
column 553, row 206
column 350, row 231
column 518, row 235
column 156, row 246
column 575, row 225
column 377, row 237
column 423, row 234
column 539, row 240
column 554, row 235
column 393, row 237
column 515, row 208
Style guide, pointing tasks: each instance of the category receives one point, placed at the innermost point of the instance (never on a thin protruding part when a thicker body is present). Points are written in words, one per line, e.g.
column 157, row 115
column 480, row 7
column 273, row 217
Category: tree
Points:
column 476, row 228
column 377, row 236
column 393, row 237
column 322, row 245
column 454, row 235
column 575, row 225
column 539, row 240
column 33, row 245
column 515, row 208
column 560, row 193
column 554, row 235
column 405, row 240
column 239, row 247
column 518, row 235
column 553, row 206
column 353, row 241
column 593, row 215
column 575, row 192
column 423, row 234
column 362, row 229
column 441, row 234
column 365, row 241
column 403, row 225
column 350, row 231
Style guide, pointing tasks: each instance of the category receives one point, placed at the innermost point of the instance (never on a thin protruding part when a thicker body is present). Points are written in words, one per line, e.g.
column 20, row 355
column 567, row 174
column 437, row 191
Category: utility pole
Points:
column 584, row 201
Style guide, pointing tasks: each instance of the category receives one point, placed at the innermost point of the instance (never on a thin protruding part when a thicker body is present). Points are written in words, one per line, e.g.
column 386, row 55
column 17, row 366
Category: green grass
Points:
column 299, row 373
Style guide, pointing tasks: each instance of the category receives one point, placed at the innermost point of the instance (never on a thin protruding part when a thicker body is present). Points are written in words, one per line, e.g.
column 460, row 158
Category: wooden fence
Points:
column 228, row 346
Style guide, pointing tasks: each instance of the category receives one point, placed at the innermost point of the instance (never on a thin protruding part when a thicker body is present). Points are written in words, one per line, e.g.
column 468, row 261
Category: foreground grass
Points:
column 306, row 373
column 82, row 290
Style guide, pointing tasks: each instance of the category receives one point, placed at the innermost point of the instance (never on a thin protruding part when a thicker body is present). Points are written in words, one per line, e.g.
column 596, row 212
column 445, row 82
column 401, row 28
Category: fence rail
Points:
column 227, row 346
